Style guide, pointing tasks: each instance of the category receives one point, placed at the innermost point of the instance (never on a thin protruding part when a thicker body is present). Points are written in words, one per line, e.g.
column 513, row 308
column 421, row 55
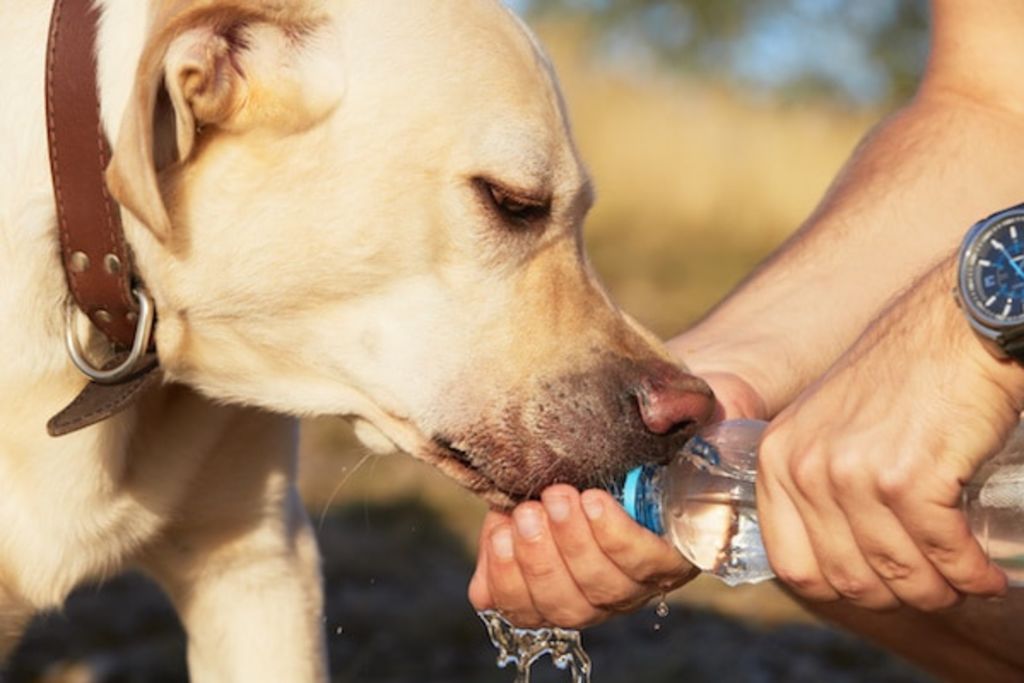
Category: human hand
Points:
column 575, row 559
column 860, row 479
column 571, row 560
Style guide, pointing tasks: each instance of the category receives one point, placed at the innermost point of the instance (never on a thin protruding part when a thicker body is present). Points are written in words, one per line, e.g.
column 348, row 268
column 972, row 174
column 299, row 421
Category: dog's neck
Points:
column 31, row 306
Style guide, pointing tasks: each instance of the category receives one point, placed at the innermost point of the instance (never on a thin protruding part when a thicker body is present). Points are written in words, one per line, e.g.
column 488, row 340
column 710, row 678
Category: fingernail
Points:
column 528, row 523
column 557, row 507
column 593, row 507
column 501, row 542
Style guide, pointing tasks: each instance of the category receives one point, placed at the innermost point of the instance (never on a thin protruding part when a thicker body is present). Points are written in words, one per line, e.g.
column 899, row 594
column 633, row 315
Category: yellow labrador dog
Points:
column 340, row 207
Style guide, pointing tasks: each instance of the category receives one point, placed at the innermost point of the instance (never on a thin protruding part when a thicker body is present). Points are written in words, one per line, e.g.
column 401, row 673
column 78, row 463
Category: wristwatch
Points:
column 990, row 281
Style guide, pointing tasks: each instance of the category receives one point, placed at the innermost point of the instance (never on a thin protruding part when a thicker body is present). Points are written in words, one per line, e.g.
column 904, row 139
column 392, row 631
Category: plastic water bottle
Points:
column 703, row 503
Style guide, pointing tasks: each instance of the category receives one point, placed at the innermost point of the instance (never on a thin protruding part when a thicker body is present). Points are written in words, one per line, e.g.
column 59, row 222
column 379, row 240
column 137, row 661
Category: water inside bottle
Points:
column 713, row 514
column 993, row 502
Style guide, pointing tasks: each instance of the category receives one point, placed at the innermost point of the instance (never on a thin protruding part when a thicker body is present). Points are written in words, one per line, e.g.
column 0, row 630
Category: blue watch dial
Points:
column 994, row 270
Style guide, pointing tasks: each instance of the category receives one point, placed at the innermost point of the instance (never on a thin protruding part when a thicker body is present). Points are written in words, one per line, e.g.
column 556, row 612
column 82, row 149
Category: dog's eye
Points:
column 514, row 206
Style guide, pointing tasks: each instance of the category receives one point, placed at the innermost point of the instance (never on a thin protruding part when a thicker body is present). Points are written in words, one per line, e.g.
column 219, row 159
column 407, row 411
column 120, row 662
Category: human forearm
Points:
column 904, row 199
column 859, row 481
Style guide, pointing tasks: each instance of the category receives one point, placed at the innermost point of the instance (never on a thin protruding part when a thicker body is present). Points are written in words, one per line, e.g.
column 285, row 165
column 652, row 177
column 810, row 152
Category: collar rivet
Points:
column 112, row 264
column 79, row 262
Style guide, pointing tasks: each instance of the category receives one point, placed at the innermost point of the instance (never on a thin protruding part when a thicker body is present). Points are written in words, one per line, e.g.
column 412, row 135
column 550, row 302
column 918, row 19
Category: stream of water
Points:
column 523, row 647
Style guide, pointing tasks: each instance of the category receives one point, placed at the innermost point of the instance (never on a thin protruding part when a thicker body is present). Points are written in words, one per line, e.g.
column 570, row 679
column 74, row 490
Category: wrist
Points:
column 988, row 276
column 738, row 382
column 1004, row 374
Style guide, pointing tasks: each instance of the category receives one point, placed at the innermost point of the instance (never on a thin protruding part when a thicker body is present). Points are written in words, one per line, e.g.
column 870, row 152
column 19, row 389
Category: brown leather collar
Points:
column 97, row 261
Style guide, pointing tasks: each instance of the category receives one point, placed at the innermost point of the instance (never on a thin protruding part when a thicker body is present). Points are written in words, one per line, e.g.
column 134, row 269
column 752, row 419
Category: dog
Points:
column 368, row 208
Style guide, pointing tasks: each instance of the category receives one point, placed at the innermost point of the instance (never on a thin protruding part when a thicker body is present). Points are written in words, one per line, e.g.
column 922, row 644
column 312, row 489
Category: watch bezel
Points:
column 984, row 322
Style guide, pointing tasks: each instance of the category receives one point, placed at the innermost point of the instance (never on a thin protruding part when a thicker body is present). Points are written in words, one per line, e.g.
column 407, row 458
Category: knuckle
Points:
column 889, row 568
column 806, row 473
column 846, row 471
column 802, row 580
column 894, row 485
column 772, row 449
column 539, row 571
column 940, row 554
column 857, row 589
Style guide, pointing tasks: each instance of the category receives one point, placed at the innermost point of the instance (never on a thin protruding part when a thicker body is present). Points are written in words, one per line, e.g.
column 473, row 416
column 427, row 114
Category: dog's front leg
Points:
column 14, row 615
column 252, row 610
column 242, row 567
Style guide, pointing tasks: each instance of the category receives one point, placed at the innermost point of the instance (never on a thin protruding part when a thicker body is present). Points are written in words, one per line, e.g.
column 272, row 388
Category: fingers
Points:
column 944, row 537
column 787, row 544
column 571, row 560
column 479, row 587
column 635, row 551
column 526, row 578
column 599, row 579
column 897, row 560
column 811, row 489
column 883, row 540
column 834, row 528
column 552, row 588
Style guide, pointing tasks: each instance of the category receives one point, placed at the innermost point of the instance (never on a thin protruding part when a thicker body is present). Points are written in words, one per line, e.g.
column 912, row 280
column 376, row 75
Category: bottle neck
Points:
column 639, row 494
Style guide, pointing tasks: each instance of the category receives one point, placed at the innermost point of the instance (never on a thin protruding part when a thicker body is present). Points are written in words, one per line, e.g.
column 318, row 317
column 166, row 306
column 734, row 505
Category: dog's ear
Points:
column 221, row 67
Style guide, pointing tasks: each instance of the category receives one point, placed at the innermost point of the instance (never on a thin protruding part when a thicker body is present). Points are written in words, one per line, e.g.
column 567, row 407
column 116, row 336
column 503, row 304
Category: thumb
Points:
column 737, row 398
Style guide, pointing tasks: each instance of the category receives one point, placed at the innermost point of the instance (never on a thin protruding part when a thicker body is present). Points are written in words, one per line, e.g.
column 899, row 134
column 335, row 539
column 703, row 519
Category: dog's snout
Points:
column 676, row 400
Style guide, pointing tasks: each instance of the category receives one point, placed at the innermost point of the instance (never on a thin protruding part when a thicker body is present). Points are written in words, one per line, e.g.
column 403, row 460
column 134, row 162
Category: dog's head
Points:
column 373, row 208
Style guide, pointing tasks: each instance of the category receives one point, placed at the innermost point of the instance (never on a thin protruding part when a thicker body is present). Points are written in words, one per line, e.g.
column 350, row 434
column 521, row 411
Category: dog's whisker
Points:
column 337, row 489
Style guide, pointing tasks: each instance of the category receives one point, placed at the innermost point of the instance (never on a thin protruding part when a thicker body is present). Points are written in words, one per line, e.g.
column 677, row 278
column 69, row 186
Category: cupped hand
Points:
column 575, row 559
column 860, row 479
column 571, row 560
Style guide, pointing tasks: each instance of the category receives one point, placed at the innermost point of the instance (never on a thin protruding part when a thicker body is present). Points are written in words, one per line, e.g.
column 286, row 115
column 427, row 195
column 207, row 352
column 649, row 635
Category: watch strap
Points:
column 1013, row 345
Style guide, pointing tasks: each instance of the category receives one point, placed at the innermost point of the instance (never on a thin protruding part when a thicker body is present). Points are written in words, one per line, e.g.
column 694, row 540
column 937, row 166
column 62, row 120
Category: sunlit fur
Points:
column 316, row 245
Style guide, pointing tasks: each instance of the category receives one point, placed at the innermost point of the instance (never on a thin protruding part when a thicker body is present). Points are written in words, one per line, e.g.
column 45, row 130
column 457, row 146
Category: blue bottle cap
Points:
column 629, row 487
column 639, row 496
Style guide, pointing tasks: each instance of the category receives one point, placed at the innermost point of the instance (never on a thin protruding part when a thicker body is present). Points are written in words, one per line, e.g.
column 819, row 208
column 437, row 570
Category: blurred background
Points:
column 711, row 128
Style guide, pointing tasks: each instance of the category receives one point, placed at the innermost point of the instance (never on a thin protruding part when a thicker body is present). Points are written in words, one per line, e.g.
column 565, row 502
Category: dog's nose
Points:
column 676, row 400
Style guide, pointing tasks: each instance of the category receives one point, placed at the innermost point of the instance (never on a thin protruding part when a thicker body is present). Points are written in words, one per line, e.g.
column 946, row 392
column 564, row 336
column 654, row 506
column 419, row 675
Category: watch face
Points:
column 992, row 271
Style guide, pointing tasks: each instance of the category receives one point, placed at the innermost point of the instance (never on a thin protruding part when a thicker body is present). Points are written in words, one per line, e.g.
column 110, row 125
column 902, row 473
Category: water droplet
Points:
column 662, row 609
column 657, row 626
column 338, row 631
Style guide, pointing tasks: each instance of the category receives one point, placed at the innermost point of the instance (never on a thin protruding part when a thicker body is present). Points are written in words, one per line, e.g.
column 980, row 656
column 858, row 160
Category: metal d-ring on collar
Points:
column 140, row 344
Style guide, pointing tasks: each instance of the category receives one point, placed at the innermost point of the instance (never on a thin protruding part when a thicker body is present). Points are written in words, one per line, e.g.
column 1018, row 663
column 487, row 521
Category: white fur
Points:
column 321, row 248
